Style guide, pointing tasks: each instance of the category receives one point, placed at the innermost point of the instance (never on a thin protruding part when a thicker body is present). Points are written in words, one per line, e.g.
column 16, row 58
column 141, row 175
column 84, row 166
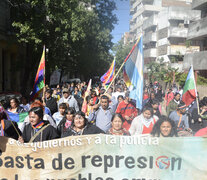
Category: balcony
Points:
column 149, row 10
column 181, row 49
column 150, row 53
column 149, row 37
column 183, row 13
column 198, row 60
column 199, row 4
column 198, row 30
column 178, row 32
column 149, row 22
column 136, row 4
column 136, row 25
column 176, row 50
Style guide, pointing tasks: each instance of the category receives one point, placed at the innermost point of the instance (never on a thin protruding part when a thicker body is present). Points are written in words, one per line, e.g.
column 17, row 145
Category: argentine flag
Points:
column 134, row 68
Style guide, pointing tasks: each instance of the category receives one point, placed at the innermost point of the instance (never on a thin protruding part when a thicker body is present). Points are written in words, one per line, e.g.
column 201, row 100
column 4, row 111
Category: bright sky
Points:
column 122, row 13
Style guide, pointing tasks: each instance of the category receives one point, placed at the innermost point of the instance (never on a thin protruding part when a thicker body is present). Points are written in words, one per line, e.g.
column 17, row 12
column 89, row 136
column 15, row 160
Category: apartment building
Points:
column 172, row 30
column 164, row 25
column 197, row 34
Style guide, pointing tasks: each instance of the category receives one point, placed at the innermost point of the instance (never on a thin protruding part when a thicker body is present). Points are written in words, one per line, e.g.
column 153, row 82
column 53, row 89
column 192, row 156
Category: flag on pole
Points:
column 189, row 90
column 40, row 77
column 109, row 75
column 126, row 78
column 84, row 106
column 134, row 68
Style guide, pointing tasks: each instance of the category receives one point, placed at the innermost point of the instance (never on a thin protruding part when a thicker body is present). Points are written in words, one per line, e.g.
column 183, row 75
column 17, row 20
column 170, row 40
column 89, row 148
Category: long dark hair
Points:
column 117, row 115
column 156, row 128
column 38, row 111
column 81, row 114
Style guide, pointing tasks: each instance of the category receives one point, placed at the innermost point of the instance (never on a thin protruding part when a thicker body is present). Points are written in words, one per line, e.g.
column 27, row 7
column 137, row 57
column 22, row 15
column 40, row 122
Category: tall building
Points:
column 172, row 33
column 197, row 34
column 164, row 25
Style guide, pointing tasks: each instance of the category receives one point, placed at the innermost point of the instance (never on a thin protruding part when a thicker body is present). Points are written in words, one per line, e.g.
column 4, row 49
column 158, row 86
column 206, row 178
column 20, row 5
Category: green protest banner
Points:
column 105, row 157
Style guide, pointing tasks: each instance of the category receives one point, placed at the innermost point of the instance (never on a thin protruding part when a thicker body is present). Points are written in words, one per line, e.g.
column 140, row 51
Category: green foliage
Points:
column 201, row 80
column 76, row 32
column 121, row 51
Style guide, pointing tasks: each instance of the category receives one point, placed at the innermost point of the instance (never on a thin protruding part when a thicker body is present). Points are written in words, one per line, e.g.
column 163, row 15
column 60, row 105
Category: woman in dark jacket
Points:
column 8, row 128
column 38, row 129
column 66, row 122
column 81, row 126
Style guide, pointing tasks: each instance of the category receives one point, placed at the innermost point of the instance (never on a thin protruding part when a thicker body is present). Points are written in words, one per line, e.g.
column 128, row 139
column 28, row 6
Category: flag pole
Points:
column 123, row 64
column 196, row 76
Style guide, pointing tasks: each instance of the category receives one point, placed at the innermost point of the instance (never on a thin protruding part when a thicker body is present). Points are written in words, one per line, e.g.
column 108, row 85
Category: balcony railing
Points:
column 198, row 30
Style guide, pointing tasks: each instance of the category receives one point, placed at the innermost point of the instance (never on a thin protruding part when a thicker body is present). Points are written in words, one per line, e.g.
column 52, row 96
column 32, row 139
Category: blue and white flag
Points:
column 134, row 68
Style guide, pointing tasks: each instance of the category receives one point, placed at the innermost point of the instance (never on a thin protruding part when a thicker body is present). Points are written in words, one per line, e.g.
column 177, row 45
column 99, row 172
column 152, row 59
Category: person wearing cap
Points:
column 8, row 128
column 127, row 110
column 68, row 99
column 180, row 117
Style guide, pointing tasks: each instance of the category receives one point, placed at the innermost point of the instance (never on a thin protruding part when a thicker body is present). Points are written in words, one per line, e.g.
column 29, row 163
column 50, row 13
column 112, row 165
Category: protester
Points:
column 81, row 126
column 58, row 116
column 102, row 116
column 173, row 104
column 89, row 100
column 46, row 109
column 117, row 126
column 120, row 98
column 156, row 107
column 38, row 129
column 148, row 102
column 50, row 102
column 159, row 93
column 199, row 121
column 46, row 117
column 180, row 118
column 169, row 96
column 164, row 127
column 8, row 128
column 68, row 99
column 118, row 92
column 56, row 95
column 145, row 94
column 143, row 123
column 66, row 122
column 15, row 107
column 24, row 104
column 127, row 110
column 95, row 97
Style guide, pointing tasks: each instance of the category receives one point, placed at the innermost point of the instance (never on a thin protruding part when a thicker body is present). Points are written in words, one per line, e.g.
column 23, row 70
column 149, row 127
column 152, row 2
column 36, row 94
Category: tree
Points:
column 77, row 34
column 121, row 51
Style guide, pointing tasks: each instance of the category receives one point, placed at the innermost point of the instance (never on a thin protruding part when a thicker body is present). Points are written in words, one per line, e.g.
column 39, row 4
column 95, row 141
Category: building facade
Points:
column 197, row 34
column 164, row 25
column 12, row 55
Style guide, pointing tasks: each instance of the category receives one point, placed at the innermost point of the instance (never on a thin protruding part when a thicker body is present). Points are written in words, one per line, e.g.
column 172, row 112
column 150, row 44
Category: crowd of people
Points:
column 59, row 113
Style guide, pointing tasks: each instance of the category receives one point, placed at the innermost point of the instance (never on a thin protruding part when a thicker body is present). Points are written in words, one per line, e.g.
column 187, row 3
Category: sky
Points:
column 123, row 16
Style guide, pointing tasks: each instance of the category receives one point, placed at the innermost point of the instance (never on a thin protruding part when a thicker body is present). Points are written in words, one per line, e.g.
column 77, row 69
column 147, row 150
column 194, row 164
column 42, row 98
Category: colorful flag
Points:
column 40, row 77
column 189, row 90
column 126, row 78
column 84, row 106
column 18, row 118
column 134, row 68
column 109, row 75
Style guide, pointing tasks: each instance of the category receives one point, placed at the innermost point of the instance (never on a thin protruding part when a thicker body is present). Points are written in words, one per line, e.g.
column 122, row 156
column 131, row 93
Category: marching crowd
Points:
column 59, row 113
